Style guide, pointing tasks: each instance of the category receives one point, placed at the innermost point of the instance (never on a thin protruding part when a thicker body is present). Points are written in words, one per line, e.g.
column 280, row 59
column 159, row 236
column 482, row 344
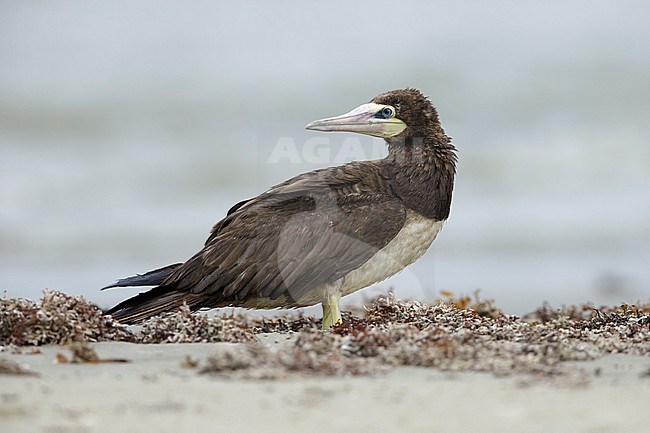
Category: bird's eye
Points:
column 387, row 112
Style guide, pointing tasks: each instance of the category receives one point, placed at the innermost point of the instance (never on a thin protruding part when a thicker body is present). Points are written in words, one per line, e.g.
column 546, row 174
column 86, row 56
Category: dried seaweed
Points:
column 547, row 313
column 483, row 307
column 84, row 353
column 185, row 326
column 257, row 361
column 454, row 334
column 12, row 368
column 285, row 323
column 443, row 336
column 57, row 318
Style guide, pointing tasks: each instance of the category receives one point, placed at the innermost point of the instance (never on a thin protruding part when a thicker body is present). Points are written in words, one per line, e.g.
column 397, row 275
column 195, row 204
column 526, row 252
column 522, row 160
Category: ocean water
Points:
column 127, row 130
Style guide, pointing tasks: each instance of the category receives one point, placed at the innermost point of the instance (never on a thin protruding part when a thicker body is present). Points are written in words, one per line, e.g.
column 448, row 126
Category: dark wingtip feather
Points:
column 151, row 278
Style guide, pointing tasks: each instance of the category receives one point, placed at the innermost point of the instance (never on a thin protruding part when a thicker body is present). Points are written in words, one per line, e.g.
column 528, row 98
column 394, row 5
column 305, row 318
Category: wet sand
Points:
column 158, row 392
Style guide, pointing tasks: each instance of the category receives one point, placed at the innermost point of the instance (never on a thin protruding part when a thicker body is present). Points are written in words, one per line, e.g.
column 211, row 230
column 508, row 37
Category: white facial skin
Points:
column 371, row 119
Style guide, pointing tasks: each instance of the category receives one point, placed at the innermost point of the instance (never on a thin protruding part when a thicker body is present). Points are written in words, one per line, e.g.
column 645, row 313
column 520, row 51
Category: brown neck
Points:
column 422, row 174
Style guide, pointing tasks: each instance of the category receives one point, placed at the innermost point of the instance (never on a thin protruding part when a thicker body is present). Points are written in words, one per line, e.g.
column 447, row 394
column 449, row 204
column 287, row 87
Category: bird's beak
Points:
column 362, row 120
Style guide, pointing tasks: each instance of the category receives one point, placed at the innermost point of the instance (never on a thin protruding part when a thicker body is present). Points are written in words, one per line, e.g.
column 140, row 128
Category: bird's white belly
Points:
column 409, row 245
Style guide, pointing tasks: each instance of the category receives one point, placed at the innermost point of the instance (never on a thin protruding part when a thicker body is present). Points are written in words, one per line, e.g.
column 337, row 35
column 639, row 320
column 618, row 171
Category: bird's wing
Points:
column 299, row 235
column 334, row 180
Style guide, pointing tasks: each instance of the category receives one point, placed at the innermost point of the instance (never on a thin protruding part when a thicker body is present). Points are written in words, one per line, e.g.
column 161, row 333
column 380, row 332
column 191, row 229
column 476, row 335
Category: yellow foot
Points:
column 331, row 311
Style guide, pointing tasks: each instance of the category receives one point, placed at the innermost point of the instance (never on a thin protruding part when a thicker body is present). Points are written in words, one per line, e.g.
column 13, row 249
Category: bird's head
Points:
column 393, row 115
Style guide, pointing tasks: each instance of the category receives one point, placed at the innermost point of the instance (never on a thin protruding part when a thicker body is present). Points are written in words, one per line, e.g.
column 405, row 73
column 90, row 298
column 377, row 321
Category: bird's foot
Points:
column 331, row 311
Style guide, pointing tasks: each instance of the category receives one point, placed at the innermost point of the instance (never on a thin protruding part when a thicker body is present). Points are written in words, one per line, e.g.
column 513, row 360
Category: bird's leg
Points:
column 331, row 311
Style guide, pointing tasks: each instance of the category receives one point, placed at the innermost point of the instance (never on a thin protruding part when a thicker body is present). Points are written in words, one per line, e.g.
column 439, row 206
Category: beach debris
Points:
column 56, row 319
column 185, row 326
column 444, row 336
column 12, row 368
column 286, row 323
column 189, row 362
column 257, row 361
column 84, row 353
column 483, row 307
column 60, row 358
column 453, row 334
column 581, row 312
column 21, row 350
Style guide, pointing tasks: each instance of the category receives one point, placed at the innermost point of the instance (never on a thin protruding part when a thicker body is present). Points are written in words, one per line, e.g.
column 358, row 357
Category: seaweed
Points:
column 56, row 319
column 453, row 334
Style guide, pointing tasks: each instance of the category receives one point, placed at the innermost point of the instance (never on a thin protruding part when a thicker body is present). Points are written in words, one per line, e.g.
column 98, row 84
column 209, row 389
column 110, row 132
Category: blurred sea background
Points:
column 127, row 129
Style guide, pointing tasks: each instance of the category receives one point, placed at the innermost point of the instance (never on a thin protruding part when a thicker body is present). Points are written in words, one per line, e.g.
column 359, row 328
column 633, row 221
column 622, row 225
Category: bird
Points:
column 323, row 234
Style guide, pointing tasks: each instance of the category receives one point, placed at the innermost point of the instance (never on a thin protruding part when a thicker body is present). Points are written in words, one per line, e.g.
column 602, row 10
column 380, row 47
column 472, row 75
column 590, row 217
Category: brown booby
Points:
column 323, row 234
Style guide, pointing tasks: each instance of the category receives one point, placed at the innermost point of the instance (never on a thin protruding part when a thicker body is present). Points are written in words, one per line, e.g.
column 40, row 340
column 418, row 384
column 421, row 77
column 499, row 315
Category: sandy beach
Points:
column 157, row 392
column 398, row 366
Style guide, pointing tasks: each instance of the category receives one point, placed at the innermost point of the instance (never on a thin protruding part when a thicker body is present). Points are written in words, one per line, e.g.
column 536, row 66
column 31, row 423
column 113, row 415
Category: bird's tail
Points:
column 158, row 300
